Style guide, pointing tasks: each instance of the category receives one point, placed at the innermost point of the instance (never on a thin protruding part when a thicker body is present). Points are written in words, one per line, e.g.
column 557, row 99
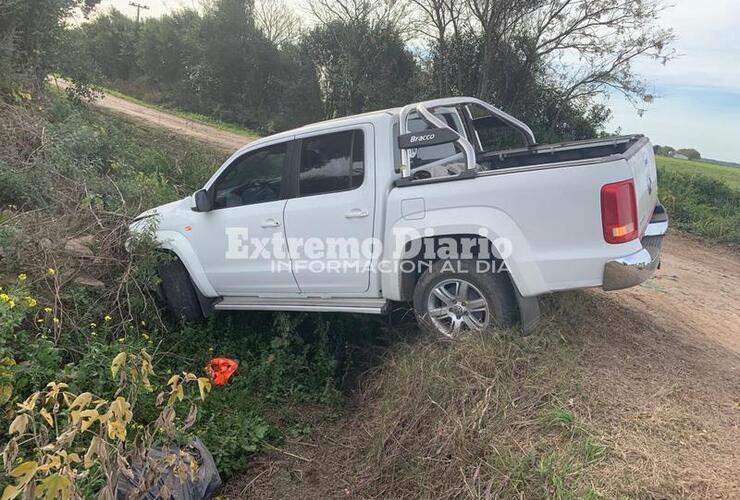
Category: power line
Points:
column 138, row 9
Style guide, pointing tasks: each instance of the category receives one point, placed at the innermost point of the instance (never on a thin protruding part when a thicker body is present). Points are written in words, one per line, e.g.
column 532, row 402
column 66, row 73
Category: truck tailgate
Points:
column 641, row 160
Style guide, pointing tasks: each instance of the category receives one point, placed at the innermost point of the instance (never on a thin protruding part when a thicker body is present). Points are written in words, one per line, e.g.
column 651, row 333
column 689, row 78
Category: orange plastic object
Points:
column 220, row 370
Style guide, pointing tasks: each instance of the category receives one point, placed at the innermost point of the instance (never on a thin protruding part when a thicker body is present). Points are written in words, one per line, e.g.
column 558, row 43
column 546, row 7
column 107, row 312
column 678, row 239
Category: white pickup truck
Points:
column 429, row 204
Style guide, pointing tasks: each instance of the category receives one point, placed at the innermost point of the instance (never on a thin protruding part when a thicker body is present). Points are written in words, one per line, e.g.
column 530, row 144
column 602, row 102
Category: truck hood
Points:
column 163, row 210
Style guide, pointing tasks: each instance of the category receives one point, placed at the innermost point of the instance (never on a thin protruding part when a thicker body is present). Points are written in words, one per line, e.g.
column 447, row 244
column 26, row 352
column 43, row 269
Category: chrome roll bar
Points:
column 423, row 110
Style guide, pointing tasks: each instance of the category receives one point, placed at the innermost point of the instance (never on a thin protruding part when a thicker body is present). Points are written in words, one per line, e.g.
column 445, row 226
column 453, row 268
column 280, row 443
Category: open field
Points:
column 729, row 175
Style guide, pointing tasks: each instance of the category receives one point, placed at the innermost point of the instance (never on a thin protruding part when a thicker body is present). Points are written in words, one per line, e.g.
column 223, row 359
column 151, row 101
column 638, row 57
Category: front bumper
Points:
column 634, row 269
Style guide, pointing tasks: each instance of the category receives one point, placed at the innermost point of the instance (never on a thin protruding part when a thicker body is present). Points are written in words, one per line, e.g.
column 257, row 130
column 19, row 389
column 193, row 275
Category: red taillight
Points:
column 619, row 212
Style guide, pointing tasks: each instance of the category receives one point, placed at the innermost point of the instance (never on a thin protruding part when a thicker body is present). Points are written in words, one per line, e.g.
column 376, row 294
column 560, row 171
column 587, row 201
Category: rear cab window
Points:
column 441, row 160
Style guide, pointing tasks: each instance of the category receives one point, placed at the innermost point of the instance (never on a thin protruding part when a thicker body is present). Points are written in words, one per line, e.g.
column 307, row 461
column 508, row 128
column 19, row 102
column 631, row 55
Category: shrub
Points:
column 55, row 428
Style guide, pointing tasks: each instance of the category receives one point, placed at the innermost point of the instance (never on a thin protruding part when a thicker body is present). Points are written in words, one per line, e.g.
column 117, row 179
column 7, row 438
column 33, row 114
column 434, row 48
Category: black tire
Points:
column 495, row 288
column 179, row 292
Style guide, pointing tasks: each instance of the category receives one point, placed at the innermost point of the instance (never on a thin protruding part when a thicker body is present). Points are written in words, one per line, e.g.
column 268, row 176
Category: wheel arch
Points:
column 487, row 223
column 176, row 243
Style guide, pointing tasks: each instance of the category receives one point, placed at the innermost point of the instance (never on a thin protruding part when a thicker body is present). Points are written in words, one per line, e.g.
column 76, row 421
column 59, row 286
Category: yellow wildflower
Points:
column 47, row 310
column 51, row 271
column 145, row 336
column 93, row 333
column 56, row 321
column 107, row 318
column 22, row 277
column 4, row 297
column 30, row 301
column 11, row 304
column 121, row 340
column 93, row 325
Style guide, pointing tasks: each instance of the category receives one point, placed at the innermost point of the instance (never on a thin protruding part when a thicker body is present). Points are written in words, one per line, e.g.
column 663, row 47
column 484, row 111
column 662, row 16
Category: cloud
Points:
column 699, row 92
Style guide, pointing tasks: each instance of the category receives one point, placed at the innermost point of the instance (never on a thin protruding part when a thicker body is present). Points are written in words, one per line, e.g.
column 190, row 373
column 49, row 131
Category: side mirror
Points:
column 430, row 137
column 202, row 201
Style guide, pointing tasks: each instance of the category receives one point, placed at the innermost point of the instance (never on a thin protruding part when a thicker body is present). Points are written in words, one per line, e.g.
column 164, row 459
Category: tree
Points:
column 111, row 44
column 690, row 153
column 277, row 22
column 168, row 47
column 567, row 52
column 360, row 56
column 30, row 32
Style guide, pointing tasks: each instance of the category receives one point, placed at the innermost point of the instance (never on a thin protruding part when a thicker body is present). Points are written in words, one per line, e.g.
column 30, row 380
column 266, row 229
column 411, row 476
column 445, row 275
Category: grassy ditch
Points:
column 73, row 301
column 487, row 417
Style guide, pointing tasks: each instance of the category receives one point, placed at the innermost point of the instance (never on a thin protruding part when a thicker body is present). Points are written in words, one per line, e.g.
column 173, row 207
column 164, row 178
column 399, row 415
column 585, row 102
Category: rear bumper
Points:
column 634, row 269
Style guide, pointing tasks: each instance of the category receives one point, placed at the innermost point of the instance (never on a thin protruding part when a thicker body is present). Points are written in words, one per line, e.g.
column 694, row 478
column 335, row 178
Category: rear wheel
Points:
column 455, row 297
column 179, row 291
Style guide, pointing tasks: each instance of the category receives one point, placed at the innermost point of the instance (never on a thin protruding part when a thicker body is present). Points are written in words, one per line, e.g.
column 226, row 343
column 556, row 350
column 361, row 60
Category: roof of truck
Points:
column 323, row 124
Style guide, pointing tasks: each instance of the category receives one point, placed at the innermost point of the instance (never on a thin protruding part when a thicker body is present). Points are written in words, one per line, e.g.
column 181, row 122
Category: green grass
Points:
column 187, row 115
column 702, row 199
column 728, row 175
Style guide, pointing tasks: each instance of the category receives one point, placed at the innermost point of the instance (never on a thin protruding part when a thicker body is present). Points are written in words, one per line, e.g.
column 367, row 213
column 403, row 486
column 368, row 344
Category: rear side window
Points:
column 431, row 154
column 253, row 178
column 332, row 162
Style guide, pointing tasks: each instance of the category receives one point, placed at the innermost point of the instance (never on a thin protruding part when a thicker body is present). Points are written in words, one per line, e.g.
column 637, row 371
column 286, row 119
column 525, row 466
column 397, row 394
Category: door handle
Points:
column 270, row 223
column 356, row 214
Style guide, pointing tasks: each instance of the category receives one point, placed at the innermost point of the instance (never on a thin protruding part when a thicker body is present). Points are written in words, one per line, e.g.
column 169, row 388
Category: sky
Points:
column 698, row 102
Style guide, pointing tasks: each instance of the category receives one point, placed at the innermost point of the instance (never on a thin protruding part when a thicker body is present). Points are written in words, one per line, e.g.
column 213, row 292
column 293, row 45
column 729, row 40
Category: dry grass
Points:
column 601, row 403
column 482, row 418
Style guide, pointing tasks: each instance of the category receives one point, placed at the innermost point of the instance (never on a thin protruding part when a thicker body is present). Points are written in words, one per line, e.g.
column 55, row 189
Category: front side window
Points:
column 332, row 162
column 255, row 177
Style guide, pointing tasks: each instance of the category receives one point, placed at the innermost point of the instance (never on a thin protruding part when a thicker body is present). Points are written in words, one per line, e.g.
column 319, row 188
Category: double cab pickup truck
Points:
column 448, row 205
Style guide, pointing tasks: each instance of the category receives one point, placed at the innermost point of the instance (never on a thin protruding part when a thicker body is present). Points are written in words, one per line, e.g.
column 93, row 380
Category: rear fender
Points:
column 487, row 222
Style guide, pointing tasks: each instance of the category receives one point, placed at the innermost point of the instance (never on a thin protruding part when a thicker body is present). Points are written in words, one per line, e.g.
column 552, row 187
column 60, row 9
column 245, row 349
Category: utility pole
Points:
column 138, row 10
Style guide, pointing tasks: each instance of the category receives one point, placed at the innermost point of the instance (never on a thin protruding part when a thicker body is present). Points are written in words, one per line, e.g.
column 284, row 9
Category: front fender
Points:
column 485, row 221
column 180, row 246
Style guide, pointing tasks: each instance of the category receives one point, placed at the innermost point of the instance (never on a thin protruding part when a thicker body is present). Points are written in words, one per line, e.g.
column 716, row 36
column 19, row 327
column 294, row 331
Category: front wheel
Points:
column 179, row 291
column 455, row 297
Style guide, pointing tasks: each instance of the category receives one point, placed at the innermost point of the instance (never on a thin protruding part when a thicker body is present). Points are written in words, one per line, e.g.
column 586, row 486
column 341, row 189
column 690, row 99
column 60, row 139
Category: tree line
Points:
column 690, row 153
column 257, row 63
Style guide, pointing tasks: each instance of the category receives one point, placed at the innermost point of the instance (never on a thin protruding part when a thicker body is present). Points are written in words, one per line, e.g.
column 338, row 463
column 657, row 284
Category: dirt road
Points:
column 697, row 290
column 659, row 368
column 221, row 139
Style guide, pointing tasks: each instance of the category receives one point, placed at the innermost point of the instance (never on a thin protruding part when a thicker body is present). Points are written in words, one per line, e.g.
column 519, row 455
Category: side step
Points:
column 309, row 304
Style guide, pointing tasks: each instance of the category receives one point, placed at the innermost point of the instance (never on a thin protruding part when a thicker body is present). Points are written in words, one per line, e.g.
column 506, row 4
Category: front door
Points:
column 241, row 241
column 329, row 224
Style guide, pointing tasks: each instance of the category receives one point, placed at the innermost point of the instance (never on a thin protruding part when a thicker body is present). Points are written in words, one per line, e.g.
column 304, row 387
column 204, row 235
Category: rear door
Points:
column 329, row 225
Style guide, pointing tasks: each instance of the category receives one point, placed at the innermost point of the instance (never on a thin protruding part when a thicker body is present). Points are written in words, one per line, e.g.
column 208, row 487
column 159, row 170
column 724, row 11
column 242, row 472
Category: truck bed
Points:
column 556, row 153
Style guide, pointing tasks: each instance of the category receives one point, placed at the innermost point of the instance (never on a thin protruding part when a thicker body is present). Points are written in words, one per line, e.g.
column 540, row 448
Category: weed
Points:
column 558, row 417
column 590, row 450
